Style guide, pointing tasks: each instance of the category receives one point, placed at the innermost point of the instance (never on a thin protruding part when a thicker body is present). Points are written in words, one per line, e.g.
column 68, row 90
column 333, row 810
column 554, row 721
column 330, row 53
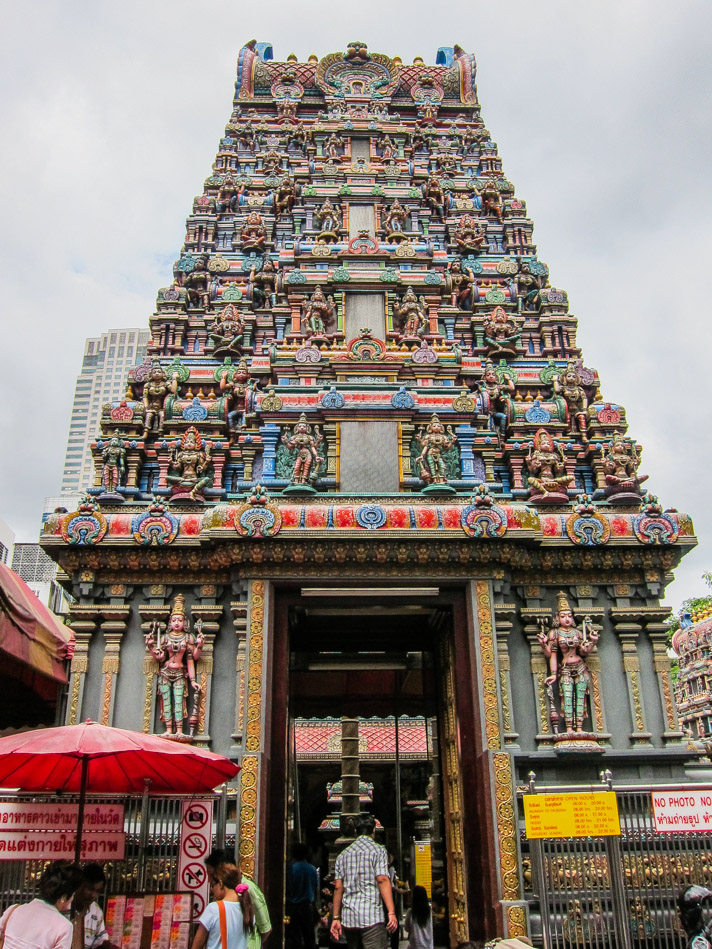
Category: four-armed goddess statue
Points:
column 176, row 651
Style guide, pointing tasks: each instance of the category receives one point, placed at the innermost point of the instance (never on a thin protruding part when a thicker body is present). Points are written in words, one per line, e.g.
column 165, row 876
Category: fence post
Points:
column 143, row 836
column 539, row 881
column 615, row 870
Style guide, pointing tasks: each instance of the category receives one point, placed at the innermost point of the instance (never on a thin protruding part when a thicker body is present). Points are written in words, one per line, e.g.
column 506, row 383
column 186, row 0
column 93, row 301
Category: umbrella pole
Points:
column 80, row 813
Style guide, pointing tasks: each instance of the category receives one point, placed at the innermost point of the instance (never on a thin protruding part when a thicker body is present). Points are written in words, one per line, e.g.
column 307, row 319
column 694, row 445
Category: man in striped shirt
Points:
column 361, row 888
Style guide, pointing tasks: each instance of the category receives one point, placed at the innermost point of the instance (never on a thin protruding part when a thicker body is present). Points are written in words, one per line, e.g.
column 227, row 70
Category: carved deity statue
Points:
column 177, row 650
column 156, row 389
column 190, row 467
column 253, row 234
column 241, row 398
column 228, row 330
column 461, row 285
column 264, row 285
column 491, row 199
column 388, row 149
column 394, row 221
column 285, row 196
column 319, row 315
column 328, row 218
column 434, row 196
column 546, row 465
column 620, row 466
column 306, row 444
column 495, row 396
column 570, row 389
column 412, row 316
column 528, row 287
column 502, row 332
column 469, row 235
column 197, row 284
column 229, row 195
column 566, row 647
column 113, row 469
column 333, row 146
column 435, row 441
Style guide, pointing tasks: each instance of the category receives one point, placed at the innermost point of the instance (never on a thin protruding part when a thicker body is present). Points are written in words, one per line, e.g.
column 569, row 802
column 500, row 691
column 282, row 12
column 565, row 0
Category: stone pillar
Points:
column 540, row 671
column 628, row 633
column 210, row 614
column 238, row 609
column 78, row 670
column 657, row 630
column 115, row 621
column 350, row 772
column 504, row 613
column 150, row 612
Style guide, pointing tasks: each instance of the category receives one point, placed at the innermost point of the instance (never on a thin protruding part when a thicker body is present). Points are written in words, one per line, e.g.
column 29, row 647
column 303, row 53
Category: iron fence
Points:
column 152, row 844
column 617, row 892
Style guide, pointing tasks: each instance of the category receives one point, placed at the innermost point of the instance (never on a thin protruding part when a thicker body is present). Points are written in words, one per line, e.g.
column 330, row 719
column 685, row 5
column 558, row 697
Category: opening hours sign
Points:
column 549, row 816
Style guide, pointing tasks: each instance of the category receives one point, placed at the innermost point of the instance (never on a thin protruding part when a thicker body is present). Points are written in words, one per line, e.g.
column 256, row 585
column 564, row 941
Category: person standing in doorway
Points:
column 419, row 921
column 361, row 888
column 302, row 889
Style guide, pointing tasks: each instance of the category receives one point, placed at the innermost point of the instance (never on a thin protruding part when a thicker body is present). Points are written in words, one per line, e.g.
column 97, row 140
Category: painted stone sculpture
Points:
column 177, row 650
column 546, row 464
column 190, row 468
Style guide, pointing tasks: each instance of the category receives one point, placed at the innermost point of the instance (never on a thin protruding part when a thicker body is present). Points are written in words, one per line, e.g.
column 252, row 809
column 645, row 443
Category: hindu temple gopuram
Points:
column 366, row 491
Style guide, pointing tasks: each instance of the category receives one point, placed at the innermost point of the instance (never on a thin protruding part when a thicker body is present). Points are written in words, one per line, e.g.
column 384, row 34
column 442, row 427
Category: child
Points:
column 419, row 921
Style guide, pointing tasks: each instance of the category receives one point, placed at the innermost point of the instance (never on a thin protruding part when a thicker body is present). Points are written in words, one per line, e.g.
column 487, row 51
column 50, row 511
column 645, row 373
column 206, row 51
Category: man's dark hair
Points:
column 365, row 824
column 93, row 873
column 299, row 851
column 59, row 879
column 219, row 855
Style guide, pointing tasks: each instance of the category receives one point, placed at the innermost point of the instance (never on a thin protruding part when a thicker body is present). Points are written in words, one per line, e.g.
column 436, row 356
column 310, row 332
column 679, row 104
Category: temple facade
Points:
column 365, row 471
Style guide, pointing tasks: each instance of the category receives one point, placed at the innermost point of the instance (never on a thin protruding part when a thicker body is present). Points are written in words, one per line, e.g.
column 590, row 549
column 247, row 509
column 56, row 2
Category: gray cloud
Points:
column 110, row 116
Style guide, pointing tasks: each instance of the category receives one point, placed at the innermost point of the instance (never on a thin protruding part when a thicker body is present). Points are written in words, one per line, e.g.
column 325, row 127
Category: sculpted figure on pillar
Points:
column 328, row 218
column 285, row 196
column 308, row 460
column 394, row 222
column 412, row 316
column 320, row 314
column 113, row 468
column 264, row 285
column 461, row 284
column 241, row 398
column 434, row 196
column 495, row 397
column 566, row 647
column 176, row 651
column 156, row 389
column 197, row 285
column 491, row 199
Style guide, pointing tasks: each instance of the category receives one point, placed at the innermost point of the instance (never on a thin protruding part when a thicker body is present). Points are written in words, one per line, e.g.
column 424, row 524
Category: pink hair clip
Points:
column 241, row 888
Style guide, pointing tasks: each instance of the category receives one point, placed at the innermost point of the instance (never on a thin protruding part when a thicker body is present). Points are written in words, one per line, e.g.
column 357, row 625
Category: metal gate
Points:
column 151, row 860
column 601, row 892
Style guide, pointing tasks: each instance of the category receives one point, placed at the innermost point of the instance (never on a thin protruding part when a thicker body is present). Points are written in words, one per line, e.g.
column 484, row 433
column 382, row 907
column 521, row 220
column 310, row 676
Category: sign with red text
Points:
column 19, row 815
column 682, row 812
column 196, row 836
column 59, row 845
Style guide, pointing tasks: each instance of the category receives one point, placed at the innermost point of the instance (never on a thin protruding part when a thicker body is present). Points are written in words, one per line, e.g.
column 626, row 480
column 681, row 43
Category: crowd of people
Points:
column 360, row 911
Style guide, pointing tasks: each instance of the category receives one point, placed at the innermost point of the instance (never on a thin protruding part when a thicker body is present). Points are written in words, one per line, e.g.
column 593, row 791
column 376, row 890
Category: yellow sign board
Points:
column 571, row 815
column 423, row 866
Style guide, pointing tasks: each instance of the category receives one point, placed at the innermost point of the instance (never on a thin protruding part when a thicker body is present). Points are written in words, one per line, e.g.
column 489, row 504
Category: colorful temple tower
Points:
column 365, row 471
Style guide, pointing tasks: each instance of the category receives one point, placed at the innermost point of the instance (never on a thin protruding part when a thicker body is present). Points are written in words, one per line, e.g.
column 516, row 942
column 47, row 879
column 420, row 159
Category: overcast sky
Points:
column 110, row 116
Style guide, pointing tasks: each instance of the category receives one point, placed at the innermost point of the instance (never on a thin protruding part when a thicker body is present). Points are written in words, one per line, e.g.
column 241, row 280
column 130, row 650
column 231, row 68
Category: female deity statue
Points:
column 227, row 330
column 435, row 441
column 197, row 284
column 285, row 196
column 264, row 285
column 190, row 468
column 461, row 284
column 572, row 392
column 319, row 315
column 394, row 222
column 253, row 234
column 491, row 199
column 411, row 313
column 546, row 465
column 328, row 218
column 469, row 235
column 308, row 459
column 387, row 148
column 237, row 394
column 528, row 286
column 566, row 647
column 333, row 146
column 156, row 390
column 113, row 468
column 620, row 466
column 495, row 396
column 502, row 332
column 176, row 651
column 434, row 196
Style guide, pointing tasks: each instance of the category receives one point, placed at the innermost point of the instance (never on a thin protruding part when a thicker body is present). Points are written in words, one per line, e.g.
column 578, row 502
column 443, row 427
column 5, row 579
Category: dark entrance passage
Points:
column 399, row 669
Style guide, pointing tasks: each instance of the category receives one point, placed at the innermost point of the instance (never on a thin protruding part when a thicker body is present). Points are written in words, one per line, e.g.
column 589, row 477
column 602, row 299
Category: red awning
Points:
column 29, row 631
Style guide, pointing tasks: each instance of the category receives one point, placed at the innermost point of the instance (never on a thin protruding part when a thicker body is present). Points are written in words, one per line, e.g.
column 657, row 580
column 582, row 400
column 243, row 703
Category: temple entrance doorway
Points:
column 375, row 718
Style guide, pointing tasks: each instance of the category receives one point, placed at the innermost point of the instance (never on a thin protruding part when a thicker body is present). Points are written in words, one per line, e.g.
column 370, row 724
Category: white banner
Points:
column 682, row 812
column 20, row 815
column 57, row 845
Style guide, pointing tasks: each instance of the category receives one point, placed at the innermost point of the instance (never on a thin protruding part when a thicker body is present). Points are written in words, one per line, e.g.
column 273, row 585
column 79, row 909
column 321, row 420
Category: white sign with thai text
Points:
column 682, row 812
column 57, row 845
column 19, row 815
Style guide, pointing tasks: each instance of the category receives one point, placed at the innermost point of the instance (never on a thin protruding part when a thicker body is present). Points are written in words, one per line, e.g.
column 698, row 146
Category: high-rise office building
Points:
column 105, row 365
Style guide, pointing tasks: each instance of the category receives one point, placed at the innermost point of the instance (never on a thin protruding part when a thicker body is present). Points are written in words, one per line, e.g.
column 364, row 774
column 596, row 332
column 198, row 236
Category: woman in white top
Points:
column 232, row 900
column 40, row 923
column 419, row 921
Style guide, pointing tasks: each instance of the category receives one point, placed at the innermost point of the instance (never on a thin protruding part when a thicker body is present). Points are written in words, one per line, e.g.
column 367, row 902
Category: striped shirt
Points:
column 357, row 867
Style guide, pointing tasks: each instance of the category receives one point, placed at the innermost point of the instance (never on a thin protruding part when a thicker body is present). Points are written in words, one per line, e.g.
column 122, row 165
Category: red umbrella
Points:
column 96, row 758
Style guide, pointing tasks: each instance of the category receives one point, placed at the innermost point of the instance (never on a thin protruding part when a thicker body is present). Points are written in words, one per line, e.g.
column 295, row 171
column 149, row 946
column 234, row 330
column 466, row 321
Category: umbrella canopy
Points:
column 114, row 760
